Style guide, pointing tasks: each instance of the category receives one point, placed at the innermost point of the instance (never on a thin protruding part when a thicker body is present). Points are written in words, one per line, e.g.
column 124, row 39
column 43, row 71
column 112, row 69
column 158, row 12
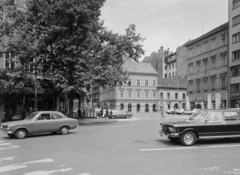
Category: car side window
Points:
column 231, row 116
column 44, row 117
column 56, row 116
column 215, row 117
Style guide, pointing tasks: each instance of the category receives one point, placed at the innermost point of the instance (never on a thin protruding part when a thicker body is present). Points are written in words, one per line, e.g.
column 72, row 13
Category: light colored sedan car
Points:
column 40, row 122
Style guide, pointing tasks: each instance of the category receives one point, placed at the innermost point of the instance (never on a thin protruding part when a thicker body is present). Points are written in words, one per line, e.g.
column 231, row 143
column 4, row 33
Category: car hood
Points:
column 185, row 122
column 16, row 122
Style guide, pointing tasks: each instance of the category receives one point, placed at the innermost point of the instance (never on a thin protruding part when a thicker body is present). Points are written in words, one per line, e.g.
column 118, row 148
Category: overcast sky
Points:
column 167, row 23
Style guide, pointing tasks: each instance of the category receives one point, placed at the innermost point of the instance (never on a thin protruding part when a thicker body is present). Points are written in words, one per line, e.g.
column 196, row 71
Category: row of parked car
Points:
column 181, row 111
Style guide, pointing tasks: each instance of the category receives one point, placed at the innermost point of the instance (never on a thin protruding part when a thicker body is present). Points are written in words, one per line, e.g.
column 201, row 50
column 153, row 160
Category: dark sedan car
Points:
column 204, row 124
column 40, row 122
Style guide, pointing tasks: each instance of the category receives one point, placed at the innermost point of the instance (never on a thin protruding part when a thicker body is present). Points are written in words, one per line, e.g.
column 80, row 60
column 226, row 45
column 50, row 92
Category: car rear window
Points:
column 231, row 116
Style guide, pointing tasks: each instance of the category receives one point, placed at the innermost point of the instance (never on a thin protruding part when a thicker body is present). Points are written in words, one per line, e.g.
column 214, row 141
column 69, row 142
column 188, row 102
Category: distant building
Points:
column 234, row 52
column 207, row 66
column 171, row 93
column 138, row 94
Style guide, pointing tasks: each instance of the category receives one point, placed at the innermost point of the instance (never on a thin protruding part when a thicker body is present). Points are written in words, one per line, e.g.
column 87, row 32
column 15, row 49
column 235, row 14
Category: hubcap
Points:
column 188, row 138
column 21, row 134
column 64, row 130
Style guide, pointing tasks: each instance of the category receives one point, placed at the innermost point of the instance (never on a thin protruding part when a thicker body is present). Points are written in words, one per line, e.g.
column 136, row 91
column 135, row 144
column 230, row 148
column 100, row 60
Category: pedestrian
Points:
column 79, row 112
column 83, row 114
column 10, row 114
column 111, row 113
column 107, row 115
column 101, row 113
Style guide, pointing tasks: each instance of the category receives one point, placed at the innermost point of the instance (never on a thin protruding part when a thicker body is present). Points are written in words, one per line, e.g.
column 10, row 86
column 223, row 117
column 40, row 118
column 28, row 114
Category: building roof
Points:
column 135, row 67
column 217, row 29
column 172, row 83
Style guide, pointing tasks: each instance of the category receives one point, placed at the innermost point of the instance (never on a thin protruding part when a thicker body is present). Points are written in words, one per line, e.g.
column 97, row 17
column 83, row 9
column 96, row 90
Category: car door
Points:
column 42, row 123
column 232, row 122
column 214, row 125
column 57, row 121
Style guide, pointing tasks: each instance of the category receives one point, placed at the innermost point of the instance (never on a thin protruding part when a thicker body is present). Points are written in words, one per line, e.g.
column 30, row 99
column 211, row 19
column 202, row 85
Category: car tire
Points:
column 188, row 138
column 64, row 130
column 20, row 134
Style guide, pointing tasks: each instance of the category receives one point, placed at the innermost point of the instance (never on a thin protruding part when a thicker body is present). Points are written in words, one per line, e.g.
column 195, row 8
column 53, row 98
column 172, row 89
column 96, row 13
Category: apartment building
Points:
column 207, row 65
column 138, row 94
column 234, row 52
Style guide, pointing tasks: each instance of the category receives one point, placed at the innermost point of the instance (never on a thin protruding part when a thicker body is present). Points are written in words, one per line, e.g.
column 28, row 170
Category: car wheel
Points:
column 188, row 138
column 64, row 130
column 21, row 133
column 10, row 135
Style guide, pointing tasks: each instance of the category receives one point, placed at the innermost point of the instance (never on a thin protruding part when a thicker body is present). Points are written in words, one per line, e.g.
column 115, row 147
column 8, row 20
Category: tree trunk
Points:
column 70, row 114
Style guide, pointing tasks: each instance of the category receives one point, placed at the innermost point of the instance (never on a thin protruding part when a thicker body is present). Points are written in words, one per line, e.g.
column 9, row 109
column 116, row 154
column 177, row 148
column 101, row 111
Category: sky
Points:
column 167, row 23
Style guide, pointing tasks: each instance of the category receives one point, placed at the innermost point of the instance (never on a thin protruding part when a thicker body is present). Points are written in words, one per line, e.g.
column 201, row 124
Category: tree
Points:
column 70, row 44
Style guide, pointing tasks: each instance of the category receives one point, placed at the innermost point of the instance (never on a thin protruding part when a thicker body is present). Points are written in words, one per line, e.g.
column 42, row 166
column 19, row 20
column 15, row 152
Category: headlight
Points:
column 171, row 129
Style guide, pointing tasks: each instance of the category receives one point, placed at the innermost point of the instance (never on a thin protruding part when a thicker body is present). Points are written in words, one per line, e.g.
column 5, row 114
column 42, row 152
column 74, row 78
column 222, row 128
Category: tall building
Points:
column 207, row 66
column 234, row 52
column 138, row 94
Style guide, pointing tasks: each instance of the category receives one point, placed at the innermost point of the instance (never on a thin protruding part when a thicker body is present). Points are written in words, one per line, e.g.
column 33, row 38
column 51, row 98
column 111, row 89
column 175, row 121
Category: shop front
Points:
column 235, row 100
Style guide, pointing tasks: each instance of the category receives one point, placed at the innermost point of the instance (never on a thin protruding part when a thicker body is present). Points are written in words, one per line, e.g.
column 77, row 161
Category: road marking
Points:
column 183, row 148
column 3, row 144
column 47, row 172
column 10, row 147
column 7, row 158
column 21, row 165
column 116, row 129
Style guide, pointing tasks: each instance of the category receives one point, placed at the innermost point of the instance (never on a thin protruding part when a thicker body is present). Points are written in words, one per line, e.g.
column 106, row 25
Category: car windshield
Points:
column 31, row 116
column 198, row 116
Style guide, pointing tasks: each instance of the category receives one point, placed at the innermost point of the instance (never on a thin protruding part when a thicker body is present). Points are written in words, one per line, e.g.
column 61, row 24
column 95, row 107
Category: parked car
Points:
column 204, row 124
column 40, row 122
column 179, row 111
column 186, row 112
column 121, row 114
column 170, row 111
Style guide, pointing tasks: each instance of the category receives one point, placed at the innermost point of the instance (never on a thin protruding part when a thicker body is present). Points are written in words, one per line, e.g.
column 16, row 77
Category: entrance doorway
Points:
column 129, row 107
column 138, row 107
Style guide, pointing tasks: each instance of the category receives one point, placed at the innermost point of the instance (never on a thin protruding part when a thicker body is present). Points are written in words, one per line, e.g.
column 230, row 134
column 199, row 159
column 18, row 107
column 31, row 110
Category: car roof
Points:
column 225, row 109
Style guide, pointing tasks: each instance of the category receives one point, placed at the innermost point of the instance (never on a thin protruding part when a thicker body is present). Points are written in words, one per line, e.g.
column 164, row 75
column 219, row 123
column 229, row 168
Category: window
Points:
column 165, row 75
column 190, row 85
column 198, row 81
column 138, row 94
column 183, row 96
column 138, row 82
column 169, row 66
column 198, row 49
column 223, row 59
column 168, row 95
column 213, row 44
column 169, row 75
column 236, row 38
column 44, row 117
column 161, row 95
column 236, row 55
column 215, row 117
column 146, row 94
column 235, row 87
column 176, row 95
column 190, row 66
column 173, row 74
column 213, row 82
column 198, row 63
column 205, row 82
column 154, row 83
column 146, row 82
column 236, row 3
column 56, row 116
column 154, row 94
column 165, row 67
column 223, row 80
column 213, row 62
column 129, row 94
column 129, row 82
column 236, row 20
column 235, row 71
column 121, row 94
column 205, row 64
column 231, row 116
column 223, row 40
column 172, row 65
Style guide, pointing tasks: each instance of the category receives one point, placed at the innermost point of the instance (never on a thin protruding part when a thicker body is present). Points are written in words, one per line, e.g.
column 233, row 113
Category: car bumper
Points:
column 7, row 132
column 169, row 134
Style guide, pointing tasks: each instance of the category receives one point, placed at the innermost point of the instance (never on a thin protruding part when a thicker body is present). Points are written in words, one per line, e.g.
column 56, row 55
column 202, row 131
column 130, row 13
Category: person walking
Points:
column 111, row 113
column 79, row 112
column 83, row 114
column 107, row 115
column 101, row 113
